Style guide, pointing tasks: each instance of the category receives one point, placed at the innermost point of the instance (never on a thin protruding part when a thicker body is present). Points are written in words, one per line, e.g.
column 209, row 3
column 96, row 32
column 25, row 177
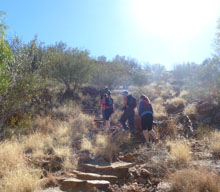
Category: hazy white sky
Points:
column 183, row 29
column 155, row 31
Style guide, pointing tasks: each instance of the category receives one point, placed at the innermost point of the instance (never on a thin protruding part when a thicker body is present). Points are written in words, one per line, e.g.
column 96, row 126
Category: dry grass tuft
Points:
column 21, row 179
column 81, row 124
column 213, row 140
column 204, row 131
column 86, row 144
column 15, row 173
column 190, row 110
column 108, row 146
column 167, row 129
column 44, row 124
column 159, row 111
column 184, row 93
column 191, row 180
column 11, row 155
column 69, row 109
column 116, row 116
column 37, row 144
column 159, row 100
column 179, row 151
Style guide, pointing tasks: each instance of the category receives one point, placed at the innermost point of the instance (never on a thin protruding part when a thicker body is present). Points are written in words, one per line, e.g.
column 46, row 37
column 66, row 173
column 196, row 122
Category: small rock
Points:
column 145, row 173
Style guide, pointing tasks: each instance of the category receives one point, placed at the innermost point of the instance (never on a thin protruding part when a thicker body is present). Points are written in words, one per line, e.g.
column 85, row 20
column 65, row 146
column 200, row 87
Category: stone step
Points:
column 100, row 184
column 95, row 176
column 78, row 185
column 73, row 184
column 119, row 169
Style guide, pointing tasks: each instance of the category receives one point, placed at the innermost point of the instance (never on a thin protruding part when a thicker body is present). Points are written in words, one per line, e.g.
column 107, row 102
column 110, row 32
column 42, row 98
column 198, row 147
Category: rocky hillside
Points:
column 70, row 150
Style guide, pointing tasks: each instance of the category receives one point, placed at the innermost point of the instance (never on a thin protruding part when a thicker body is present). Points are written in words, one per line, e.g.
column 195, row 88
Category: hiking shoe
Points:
column 148, row 145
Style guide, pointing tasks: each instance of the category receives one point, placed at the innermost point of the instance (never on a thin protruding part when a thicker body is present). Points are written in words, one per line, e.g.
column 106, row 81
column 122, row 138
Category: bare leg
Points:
column 153, row 134
column 107, row 124
column 146, row 136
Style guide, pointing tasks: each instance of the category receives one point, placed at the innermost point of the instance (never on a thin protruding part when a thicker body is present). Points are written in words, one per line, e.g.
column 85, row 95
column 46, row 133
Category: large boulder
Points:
column 205, row 108
column 174, row 108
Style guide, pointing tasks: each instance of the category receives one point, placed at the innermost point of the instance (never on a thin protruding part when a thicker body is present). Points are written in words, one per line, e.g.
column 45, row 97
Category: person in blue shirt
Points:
column 146, row 113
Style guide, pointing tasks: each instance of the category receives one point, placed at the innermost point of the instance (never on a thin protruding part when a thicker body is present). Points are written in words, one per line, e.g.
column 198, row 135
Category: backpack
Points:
column 132, row 103
column 109, row 101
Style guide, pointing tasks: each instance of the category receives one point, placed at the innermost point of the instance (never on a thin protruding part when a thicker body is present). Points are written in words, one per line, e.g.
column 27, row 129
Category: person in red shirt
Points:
column 102, row 106
column 108, row 108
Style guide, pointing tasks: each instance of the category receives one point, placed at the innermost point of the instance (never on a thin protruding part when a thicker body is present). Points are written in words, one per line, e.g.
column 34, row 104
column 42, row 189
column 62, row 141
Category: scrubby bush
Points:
column 194, row 180
column 168, row 129
column 179, row 151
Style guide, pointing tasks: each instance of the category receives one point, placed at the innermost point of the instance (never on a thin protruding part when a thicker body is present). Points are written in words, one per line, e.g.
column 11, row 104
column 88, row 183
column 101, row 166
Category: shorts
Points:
column 147, row 122
column 108, row 113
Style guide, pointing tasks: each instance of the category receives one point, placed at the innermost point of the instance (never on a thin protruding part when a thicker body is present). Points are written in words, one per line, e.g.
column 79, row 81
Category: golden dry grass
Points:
column 184, row 93
column 167, row 130
column 159, row 110
column 108, row 146
column 191, row 180
column 190, row 110
column 116, row 116
column 36, row 144
column 15, row 173
column 11, row 155
column 81, row 124
column 52, row 138
column 159, row 100
column 21, row 179
column 213, row 140
column 44, row 125
column 69, row 110
column 86, row 144
column 179, row 151
column 204, row 131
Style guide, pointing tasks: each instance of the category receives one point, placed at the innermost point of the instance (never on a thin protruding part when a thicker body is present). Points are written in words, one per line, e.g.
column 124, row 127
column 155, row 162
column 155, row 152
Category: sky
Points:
column 152, row 31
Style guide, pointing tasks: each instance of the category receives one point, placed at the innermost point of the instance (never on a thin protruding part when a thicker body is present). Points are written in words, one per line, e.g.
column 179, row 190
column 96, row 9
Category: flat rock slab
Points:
column 95, row 176
column 100, row 184
column 119, row 169
column 78, row 185
column 73, row 184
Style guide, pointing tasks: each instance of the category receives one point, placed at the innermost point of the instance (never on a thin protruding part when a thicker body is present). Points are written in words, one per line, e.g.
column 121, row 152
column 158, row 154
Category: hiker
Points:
column 146, row 113
column 129, row 106
column 108, row 108
column 103, row 95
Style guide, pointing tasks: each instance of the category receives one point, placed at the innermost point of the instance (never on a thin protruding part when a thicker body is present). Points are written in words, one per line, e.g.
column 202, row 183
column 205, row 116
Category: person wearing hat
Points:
column 129, row 113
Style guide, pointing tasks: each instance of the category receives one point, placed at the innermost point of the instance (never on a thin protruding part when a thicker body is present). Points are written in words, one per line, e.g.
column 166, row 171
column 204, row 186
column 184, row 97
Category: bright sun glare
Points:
column 173, row 19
